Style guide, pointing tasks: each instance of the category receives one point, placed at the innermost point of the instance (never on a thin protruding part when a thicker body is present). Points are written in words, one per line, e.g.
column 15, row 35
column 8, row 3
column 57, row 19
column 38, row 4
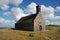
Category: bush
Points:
column 31, row 35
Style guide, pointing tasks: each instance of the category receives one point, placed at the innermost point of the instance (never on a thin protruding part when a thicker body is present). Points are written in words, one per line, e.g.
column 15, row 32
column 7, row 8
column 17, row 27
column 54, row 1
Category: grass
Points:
column 53, row 33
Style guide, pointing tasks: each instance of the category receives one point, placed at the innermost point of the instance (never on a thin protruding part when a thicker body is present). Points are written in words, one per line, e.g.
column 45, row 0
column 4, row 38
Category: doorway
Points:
column 40, row 27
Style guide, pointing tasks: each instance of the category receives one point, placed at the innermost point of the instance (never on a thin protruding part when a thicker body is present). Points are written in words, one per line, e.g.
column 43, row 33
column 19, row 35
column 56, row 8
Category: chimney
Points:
column 38, row 9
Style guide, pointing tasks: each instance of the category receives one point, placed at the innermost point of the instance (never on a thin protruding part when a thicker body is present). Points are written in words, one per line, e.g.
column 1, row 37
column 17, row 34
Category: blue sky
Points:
column 12, row 10
column 52, row 3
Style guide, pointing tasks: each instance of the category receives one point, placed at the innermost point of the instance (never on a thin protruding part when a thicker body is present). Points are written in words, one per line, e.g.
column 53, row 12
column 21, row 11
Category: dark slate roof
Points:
column 32, row 17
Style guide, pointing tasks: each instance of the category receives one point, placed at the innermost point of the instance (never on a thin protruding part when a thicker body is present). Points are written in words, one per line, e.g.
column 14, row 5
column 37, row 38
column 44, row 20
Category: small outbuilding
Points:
column 34, row 22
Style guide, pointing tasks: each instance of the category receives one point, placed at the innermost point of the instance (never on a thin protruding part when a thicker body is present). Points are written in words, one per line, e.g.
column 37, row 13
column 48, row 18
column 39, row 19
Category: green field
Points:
column 51, row 33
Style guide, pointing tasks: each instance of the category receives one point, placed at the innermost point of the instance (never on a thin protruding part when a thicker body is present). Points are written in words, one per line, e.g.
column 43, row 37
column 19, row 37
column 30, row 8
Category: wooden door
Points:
column 40, row 28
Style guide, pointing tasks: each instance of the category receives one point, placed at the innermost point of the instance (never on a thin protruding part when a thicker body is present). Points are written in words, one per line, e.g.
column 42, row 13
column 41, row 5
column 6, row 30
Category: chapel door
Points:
column 40, row 28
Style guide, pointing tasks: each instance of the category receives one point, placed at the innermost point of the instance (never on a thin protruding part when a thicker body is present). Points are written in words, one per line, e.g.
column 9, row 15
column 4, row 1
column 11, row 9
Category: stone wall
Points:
column 39, row 21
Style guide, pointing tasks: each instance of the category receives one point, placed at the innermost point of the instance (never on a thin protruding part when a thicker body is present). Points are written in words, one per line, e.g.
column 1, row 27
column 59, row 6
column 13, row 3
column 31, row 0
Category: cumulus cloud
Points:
column 16, row 12
column 4, row 4
column 16, row 2
column 31, row 8
column 4, row 7
column 6, row 23
column 8, row 14
column 58, row 8
column 48, row 13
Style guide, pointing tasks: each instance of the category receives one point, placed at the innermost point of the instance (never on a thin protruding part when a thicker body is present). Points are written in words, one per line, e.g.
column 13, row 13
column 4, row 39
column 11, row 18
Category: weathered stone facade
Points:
column 39, row 21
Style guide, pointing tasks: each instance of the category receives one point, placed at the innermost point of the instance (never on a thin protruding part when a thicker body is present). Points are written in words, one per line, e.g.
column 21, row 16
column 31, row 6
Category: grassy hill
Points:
column 9, row 34
column 53, row 25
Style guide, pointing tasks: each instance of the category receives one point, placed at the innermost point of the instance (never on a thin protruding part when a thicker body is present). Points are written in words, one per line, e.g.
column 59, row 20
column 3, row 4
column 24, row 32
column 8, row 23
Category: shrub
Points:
column 31, row 35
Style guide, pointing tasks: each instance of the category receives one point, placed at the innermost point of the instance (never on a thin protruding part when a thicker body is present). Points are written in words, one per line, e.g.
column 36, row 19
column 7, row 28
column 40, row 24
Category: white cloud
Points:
column 16, row 2
column 4, row 7
column 8, row 14
column 47, row 12
column 6, row 23
column 16, row 12
column 58, row 8
column 4, row 4
column 31, row 8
